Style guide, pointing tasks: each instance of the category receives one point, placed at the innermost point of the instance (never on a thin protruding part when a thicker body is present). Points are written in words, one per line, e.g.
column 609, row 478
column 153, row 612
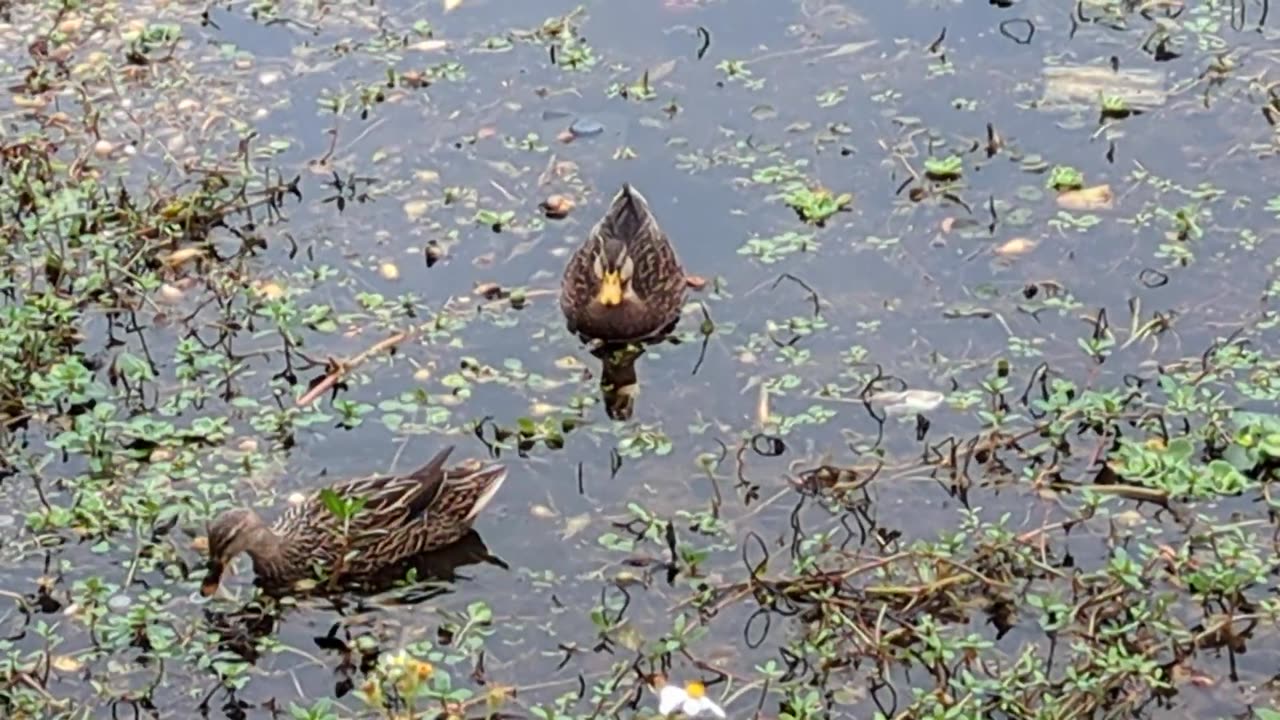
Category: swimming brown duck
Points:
column 624, row 283
column 401, row 517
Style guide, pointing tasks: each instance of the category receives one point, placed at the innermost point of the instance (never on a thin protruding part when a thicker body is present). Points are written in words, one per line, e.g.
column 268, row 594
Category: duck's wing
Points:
column 390, row 501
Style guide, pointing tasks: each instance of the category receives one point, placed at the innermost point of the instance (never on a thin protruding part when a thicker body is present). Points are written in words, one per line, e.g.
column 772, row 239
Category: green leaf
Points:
column 527, row 426
column 479, row 612
column 333, row 502
column 1270, row 444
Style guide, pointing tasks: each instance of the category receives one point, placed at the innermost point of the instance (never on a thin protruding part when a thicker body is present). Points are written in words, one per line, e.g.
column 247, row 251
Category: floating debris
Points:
column 1078, row 87
column 414, row 79
column 168, row 293
column 433, row 253
column 389, row 271
column 489, row 290
column 268, row 289
column 1015, row 247
column 432, row 45
column 586, row 127
column 908, row 402
column 66, row 664
column 1098, row 197
column 557, row 206
column 179, row 257
column 414, row 209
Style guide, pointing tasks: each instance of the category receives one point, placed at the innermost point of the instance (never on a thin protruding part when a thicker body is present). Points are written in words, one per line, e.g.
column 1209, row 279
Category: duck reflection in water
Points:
column 618, row 382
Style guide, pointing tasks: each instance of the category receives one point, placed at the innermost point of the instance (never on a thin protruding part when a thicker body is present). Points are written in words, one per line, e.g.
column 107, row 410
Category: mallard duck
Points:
column 624, row 283
column 401, row 516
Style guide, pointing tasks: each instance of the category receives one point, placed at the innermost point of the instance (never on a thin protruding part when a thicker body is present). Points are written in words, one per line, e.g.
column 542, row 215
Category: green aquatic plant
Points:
column 1065, row 177
column 816, row 205
column 944, row 169
column 1115, row 107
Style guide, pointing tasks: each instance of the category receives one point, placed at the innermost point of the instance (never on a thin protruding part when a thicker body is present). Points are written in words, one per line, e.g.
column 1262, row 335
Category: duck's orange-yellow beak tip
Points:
column 610, row 290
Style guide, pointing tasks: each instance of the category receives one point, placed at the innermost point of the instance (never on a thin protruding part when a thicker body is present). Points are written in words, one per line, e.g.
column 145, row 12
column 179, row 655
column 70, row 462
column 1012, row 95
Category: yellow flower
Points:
column 371, row 689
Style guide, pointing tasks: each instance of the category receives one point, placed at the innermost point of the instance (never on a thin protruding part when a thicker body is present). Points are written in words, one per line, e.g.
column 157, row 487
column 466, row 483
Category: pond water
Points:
column 1056, row 232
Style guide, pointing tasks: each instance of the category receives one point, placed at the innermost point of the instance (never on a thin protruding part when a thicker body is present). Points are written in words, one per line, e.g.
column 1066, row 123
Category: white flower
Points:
column 691, row 700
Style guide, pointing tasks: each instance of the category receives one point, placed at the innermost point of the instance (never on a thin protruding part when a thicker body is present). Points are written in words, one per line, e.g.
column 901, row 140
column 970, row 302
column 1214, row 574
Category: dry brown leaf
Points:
column 25, row 101
column 168, row 293
column 762, row 406
column 1098, row 197
column 568, row 362
column 268, row 289
column 661, row 70
column 575, row 525
column 182, row 255
column 66, row 664
column 557, row 206
column 488, row 290
column 414, row 209
column 1015, row 247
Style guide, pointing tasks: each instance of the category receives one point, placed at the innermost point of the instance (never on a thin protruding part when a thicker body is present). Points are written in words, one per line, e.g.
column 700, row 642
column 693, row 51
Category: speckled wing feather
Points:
column 462, row 495
column 392, row 505
column 578, row 286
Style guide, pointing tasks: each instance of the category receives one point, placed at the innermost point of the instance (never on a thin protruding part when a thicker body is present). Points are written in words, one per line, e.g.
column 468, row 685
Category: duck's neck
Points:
column 271, row 557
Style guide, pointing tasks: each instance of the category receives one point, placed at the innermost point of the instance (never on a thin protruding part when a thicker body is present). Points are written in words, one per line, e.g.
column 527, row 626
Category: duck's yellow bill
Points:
column 610, row 289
